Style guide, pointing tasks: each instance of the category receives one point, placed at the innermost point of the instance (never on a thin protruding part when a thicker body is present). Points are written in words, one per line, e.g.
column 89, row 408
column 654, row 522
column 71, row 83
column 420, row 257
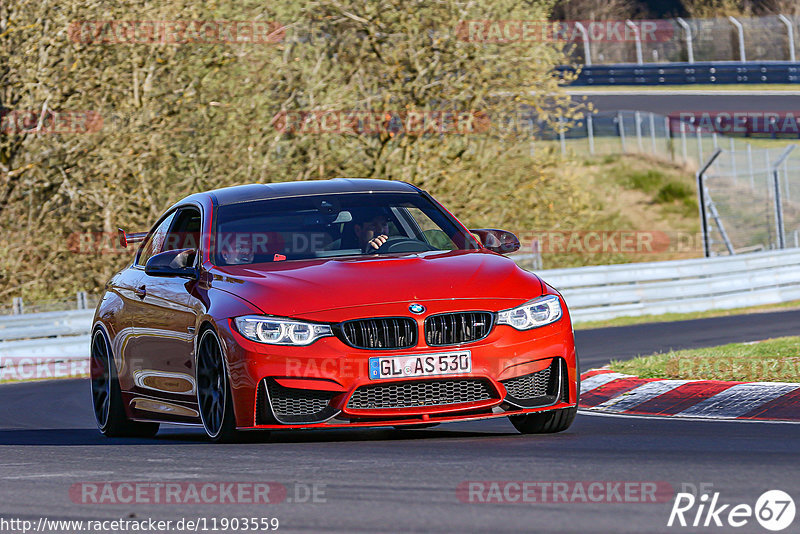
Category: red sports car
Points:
column 323, row 304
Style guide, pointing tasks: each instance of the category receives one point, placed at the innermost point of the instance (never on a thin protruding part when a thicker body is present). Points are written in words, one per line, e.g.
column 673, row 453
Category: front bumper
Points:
column 260, row 374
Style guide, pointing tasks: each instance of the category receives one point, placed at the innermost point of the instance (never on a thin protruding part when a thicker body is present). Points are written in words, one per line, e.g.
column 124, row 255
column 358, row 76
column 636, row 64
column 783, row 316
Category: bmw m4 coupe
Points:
column 325, row 304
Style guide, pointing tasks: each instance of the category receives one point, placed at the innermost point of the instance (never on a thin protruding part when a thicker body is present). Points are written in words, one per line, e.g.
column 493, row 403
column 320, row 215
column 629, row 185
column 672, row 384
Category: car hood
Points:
column 301, row 288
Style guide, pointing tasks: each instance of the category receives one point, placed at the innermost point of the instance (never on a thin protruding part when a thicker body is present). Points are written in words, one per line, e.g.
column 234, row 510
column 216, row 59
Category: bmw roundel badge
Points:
column 416, row 308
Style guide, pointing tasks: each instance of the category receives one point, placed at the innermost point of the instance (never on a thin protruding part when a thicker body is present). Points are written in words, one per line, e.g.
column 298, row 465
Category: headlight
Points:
column 280, row 331
column 538, row 312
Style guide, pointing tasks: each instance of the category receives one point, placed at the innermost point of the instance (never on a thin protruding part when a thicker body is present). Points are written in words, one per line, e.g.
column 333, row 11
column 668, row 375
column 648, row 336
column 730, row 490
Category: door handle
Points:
column 141, row 292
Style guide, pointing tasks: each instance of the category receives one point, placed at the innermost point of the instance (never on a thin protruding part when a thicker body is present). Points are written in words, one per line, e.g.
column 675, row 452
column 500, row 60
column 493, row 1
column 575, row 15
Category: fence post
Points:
column 621, row 125
column 683, row 143
column 740, row 31
column 17, row 306
column 701, row 201
column 688, row 30
column 536, row 256
column 699, row 144
column 637, row 37
column 775, row 169
column 590, row 133
column 561, row 136
column 653, row 132
column 786, row 180
column 81, row 300
column 790, row 32
column 587, row 50
column 637, row 119
column 668, row 137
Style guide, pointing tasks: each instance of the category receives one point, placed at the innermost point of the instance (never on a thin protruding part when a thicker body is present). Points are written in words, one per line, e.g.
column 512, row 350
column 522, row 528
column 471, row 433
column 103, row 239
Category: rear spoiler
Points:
column 125, row 238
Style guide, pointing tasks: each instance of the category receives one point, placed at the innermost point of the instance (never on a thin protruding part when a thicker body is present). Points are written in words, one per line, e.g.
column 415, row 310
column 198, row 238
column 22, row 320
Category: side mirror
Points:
column 500, row 241
column 172, row 263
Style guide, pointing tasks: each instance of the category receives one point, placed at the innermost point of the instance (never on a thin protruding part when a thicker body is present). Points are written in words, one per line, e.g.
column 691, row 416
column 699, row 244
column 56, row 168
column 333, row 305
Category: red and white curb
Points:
column 603, row 390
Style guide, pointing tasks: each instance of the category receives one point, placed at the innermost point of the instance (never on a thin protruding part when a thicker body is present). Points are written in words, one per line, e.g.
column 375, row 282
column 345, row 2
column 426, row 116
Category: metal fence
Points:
column 751, row 200
column 638, row 132
column 81, row 301
column 751, row 193
column 769, row 38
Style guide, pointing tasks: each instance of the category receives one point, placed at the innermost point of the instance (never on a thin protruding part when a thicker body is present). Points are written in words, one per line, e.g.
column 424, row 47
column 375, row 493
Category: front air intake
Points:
column 457, row 328
column 379, row 333
column 279, row 404
column 420, row 393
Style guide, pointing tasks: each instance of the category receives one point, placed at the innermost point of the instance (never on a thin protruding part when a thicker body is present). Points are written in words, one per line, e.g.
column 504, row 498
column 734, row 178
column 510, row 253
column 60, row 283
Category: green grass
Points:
column 772, row 360
column 669, row 317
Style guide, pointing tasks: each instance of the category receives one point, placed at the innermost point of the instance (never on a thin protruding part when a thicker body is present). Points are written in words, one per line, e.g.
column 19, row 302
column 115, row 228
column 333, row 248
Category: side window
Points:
column 185, row 231
column 155, row 242
column 431, row 232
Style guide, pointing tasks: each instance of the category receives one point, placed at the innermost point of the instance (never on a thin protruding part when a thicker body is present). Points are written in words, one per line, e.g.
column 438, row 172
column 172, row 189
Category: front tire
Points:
column 213, row 392
column 544, row 422
column 109, row 411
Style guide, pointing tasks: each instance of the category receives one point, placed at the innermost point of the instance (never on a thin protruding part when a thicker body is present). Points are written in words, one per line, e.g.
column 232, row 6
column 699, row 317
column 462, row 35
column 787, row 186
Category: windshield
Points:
column 324, row 226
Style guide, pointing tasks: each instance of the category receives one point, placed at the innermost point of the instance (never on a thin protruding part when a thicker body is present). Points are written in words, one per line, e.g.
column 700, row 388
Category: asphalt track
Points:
column 666, row 102
column 405, row 481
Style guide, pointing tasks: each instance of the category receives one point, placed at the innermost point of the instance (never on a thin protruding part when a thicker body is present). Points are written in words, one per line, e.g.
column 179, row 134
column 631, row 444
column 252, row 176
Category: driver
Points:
column 237, row 249
column 373, row 232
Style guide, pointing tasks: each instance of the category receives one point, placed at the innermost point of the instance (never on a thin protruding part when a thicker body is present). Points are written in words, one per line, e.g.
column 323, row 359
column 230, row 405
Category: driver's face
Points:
column 372, row 228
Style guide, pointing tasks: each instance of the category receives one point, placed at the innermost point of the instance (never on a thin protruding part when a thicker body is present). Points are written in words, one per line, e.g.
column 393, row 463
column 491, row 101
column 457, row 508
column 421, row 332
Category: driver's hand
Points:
column 376, row 242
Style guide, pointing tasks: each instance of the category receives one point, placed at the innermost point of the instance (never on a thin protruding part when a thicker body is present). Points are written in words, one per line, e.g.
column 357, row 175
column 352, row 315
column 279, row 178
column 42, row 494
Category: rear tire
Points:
column 544, row 422
column 214, row 398
column 109, row 411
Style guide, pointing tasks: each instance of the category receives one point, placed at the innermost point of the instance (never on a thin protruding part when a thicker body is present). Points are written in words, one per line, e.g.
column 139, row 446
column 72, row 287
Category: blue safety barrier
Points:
column 711, row 72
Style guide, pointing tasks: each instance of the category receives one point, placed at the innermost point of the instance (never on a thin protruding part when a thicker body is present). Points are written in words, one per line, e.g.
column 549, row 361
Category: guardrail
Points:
column 708, row 72
column 632, row 289
column 592, row 293
column 48, row 336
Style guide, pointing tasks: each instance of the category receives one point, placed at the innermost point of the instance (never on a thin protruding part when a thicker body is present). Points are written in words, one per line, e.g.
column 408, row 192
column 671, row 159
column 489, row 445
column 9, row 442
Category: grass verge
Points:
column 771, row 360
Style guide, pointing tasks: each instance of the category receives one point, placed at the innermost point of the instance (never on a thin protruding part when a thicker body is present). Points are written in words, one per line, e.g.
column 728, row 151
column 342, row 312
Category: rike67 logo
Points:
column 774, row 510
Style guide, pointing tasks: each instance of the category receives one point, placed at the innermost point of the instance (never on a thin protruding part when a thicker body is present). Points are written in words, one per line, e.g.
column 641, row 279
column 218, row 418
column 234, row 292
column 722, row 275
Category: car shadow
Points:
column 171, row 436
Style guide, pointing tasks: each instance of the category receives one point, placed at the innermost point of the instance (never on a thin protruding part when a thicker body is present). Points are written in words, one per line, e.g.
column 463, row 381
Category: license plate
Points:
column 442, row 363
